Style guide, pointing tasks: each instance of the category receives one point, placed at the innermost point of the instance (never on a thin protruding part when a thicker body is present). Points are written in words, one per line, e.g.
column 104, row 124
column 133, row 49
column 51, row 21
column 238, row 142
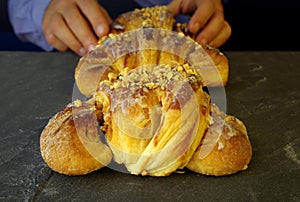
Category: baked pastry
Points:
column 70, row 143
column 225, row 148
column 158, row 16
column 154, row 118
column 146, row 90
column 148, row 46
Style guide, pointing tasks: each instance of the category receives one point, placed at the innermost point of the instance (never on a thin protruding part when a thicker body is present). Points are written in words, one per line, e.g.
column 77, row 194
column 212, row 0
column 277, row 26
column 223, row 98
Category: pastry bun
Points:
column 70, row 143
column 225, row 148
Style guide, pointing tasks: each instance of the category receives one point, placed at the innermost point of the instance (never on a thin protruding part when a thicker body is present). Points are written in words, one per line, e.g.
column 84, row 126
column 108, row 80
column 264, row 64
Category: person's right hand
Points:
column 72, row 24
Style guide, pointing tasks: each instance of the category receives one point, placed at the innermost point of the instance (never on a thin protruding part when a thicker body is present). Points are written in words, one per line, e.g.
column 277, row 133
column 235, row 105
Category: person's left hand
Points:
column 207, row 17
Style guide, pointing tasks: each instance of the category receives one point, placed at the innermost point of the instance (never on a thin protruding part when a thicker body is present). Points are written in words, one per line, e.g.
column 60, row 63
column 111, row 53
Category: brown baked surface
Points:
column 89, row 71
column 231, row 150
column 150, row 103
column 70, row 143
column 154, row 118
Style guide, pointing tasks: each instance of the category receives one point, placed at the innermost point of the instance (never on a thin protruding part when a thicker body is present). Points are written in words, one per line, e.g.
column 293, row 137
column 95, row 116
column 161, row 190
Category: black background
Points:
column 256, row 24
column 263, row 24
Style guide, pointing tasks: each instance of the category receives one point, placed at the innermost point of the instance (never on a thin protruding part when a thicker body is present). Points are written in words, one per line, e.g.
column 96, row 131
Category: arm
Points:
column 26, row 18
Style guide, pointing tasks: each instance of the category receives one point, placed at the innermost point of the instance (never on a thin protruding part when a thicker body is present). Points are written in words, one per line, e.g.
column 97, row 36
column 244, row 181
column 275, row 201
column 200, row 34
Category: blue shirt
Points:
column 26, row 17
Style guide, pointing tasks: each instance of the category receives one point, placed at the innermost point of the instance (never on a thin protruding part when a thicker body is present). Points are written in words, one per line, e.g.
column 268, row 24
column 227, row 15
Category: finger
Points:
column 175, row 7
column 211, row 29
column 182, row 7
column 96, row 15
column 59, row 33
column 203, row 13
column 67, row 36
column 56, row 43
column 80, row 27
column 50, row 25
column 106, row 15
column 222, row 37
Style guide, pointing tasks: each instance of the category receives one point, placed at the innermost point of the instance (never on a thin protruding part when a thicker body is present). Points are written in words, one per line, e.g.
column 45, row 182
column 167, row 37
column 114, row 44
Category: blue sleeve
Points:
column 26, row 17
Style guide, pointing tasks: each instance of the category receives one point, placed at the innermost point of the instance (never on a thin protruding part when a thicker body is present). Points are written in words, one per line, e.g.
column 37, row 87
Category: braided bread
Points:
column 147, row 108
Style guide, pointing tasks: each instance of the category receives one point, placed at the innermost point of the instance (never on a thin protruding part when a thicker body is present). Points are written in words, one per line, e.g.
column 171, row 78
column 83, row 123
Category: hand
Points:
column 72, row 24
column 207, row 16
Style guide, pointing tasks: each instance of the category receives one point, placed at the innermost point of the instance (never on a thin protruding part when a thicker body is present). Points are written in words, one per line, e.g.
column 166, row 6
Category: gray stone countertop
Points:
column 263, row 91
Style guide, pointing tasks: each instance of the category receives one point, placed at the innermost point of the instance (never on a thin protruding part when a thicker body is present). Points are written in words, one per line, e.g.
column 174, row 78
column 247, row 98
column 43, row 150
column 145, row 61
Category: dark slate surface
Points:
column 263, row 91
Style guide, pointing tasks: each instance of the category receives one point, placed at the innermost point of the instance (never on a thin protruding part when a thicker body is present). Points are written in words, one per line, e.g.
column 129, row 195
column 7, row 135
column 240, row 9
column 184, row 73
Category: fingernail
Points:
column 91, row 47
column 100, row 30
column 203, row 42
column 196, row 27
column 82, row 51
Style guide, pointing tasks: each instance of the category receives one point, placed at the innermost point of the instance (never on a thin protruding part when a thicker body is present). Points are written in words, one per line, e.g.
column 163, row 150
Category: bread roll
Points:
column 225, row 148
column 70, row 143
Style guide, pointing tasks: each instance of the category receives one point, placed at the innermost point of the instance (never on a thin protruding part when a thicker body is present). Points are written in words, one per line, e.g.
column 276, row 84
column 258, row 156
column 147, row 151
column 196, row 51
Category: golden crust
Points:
column 158, row 17
column 129, row 103
column 88, row 72
column 68, row 148
column 222, row 64
column 155, row 119
column 231, row 151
